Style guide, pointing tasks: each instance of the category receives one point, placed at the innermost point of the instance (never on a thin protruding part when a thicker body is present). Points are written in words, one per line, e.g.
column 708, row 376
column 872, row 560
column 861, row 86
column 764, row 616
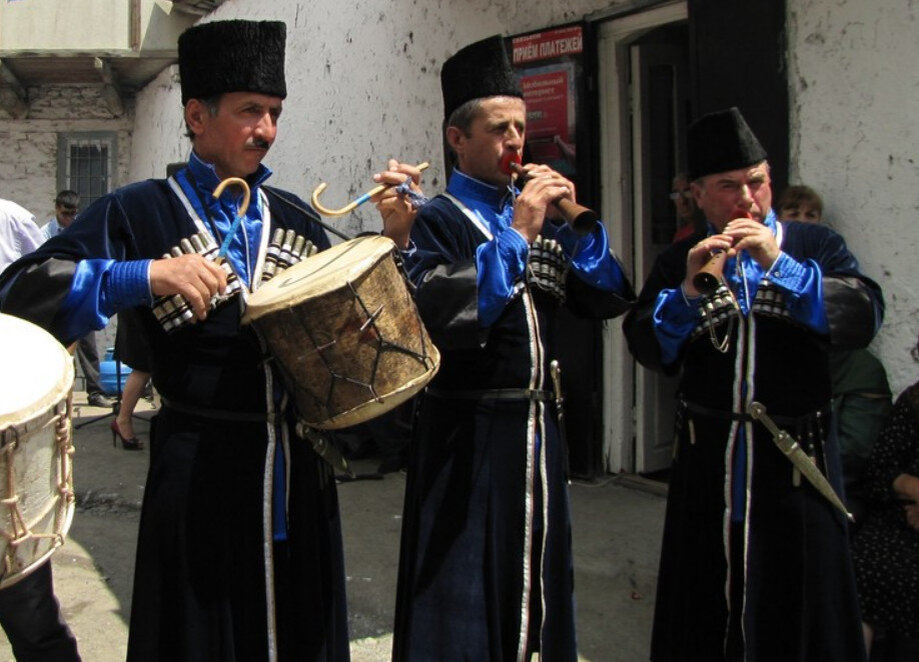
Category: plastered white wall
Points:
column 363, row 80
column 854, row 90
column 28, row 165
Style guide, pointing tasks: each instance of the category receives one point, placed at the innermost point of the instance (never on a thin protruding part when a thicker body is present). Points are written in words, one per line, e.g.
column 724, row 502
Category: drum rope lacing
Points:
column 384, row 345
column 60, row 417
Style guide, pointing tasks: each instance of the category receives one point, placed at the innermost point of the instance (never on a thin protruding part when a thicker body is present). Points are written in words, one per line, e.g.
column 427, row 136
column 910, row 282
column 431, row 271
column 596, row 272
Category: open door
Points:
column 660, row 107
column 659, row 67
column 643, row 81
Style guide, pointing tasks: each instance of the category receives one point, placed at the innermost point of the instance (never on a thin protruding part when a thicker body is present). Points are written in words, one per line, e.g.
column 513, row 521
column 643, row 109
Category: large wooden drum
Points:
column 36, row 477
column 345, row 331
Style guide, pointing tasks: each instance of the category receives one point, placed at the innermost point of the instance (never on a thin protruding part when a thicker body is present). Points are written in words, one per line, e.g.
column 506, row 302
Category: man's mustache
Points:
column 258, row 143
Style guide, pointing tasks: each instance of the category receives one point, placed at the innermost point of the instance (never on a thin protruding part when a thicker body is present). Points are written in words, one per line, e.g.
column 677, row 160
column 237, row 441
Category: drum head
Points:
column 37, row 371
column 324, row 272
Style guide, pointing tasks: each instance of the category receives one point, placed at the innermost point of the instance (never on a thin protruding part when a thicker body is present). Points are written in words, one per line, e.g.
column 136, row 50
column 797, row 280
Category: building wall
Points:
column 854, row 86
column 28, row 164
column 363, row 84
column 363, row 79
column 28, row 161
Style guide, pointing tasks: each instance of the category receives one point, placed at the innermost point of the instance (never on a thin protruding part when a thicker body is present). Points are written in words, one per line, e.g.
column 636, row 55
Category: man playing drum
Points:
column 485, row 570
column 239, row 552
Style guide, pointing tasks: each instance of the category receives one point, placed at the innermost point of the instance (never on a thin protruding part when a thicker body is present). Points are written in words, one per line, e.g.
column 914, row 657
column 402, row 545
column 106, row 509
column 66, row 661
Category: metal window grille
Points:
column 88, row 164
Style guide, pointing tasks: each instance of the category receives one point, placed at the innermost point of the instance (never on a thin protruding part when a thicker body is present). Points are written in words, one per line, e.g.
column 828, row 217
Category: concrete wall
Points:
column 363, row 84
column 363, row 78
column 87, row 25
column 854, row 86
column 28, row 165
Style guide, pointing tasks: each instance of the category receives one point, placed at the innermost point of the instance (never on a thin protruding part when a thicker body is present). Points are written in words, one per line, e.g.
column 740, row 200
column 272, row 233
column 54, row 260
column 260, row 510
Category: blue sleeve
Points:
column 591, row 259
column 803, row 286
column 99, row 289
column 500, row 263
column 675, row 316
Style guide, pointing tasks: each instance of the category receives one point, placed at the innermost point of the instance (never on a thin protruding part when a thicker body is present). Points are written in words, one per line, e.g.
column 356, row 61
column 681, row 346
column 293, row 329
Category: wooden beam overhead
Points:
column 13, row 97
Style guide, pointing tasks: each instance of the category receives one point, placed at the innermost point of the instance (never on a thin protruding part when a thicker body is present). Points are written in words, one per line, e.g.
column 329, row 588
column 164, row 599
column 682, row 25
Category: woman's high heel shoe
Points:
column 133, row 444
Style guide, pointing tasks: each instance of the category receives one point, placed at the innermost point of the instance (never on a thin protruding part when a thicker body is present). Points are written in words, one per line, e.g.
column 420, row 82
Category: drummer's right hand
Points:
column 190, row 275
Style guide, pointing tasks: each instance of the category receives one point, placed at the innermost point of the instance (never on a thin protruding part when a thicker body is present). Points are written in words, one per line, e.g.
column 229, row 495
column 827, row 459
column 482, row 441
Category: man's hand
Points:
column 396, row 208
column 912, row 515
column 754, row 237
column 543, row 187
column 700, row 254
column 192, row 276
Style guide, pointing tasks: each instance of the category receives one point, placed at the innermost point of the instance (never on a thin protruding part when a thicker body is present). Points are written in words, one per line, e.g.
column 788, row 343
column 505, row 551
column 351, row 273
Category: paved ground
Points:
column 616, row 542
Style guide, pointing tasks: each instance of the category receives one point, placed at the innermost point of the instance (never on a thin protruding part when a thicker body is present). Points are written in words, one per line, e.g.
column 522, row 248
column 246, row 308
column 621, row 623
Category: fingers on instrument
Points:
column 354, row 204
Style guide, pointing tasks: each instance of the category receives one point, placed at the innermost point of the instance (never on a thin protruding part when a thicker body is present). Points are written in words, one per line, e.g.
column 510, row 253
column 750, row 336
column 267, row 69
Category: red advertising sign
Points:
column 547, row 45
column 547, row 96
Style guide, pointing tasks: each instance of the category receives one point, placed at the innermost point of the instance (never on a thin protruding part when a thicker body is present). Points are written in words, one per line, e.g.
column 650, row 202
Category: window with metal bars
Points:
column 86, row 164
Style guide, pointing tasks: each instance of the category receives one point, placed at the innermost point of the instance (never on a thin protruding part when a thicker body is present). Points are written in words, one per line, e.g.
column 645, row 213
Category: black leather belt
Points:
column 788, row 421
column 495, row 394
column 219, row 414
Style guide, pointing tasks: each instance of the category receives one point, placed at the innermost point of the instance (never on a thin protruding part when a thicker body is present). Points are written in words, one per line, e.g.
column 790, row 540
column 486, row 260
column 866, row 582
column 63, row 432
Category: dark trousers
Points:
column 88, row 356
column 31, row 617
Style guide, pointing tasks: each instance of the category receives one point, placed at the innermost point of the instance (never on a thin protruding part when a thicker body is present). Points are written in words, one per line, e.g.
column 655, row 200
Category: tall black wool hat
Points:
column 722, row 141
column 481, row 69
column 232, row 56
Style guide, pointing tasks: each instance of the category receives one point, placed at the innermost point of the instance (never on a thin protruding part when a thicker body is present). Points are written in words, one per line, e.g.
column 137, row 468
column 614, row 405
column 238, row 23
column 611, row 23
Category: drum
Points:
column 345, row 331
column 36, row 480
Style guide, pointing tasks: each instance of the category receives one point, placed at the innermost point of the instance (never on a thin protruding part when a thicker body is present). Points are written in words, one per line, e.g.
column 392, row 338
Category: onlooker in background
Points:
column 861, row 393
column 18, row 233
column 800, row 203
column 66, row 206
column 687, row 214
column 29, row 613
column 886, row 545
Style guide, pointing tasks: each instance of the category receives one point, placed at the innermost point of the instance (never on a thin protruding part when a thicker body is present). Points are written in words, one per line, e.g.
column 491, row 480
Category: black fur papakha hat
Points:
column 722, row 141
column 232, row 56
column 478, row 70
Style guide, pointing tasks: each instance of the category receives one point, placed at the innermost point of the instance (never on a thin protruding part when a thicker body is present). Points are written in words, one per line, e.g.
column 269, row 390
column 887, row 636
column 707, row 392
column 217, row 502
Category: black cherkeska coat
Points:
column 205, row 555
column 485, row 567
column 775, row 581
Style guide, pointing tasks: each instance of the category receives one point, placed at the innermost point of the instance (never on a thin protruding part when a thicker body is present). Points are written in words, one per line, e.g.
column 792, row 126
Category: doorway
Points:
column 645, row 107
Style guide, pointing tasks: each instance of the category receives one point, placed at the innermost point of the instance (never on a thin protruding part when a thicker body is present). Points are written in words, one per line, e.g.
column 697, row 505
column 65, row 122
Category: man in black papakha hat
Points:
column 486, row 568
column 754, row 561
column 222, row 571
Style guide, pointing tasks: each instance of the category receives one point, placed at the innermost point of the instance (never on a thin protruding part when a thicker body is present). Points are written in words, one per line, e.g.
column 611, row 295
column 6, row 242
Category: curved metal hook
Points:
column 354, row 204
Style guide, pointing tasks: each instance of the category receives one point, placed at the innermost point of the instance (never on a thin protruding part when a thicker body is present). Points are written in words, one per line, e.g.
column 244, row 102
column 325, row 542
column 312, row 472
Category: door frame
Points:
column 622, row 377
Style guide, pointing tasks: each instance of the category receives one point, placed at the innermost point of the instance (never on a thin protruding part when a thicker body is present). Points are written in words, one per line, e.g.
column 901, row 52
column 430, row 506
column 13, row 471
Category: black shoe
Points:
column 99, row 400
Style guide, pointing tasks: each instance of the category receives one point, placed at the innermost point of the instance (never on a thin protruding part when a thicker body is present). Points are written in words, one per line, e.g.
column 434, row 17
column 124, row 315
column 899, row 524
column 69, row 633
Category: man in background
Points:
column 66, row 206
column 687, row 214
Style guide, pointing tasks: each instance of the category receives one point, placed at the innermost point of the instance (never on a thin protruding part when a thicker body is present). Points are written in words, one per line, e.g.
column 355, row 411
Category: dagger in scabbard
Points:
column 799, row 458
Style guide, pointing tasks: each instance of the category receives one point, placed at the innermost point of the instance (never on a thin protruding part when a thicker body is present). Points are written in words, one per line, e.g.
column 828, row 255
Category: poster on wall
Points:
column 548, row 66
